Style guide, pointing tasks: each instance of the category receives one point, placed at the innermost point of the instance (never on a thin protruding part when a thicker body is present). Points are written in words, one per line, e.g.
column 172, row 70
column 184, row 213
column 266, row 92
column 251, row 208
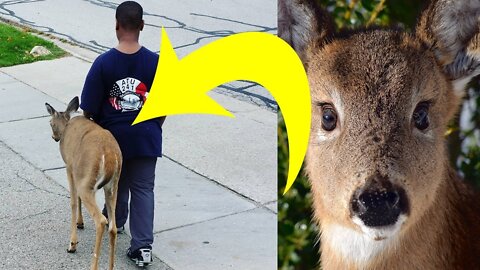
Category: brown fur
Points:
column 312, row 17
column 93, row 160
column 376, row 78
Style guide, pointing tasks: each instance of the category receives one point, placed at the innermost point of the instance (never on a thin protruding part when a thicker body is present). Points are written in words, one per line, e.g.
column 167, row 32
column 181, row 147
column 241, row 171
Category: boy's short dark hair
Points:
column 129, row 15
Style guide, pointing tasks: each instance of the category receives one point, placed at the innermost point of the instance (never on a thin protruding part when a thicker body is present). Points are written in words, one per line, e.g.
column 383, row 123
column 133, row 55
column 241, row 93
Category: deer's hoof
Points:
column 72, row 248
column 80, row 226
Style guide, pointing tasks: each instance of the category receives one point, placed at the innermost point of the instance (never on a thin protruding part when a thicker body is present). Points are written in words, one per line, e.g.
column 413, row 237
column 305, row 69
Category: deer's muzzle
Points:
column 379, row 203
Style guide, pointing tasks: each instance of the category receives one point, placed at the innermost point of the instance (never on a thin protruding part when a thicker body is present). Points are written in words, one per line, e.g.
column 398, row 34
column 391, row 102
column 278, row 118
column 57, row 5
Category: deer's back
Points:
column 86, row 145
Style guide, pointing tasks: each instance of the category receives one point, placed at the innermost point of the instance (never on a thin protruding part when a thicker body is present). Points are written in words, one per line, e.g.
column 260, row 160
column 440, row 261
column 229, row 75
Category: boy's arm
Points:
column 161, row 120
column 93, row 93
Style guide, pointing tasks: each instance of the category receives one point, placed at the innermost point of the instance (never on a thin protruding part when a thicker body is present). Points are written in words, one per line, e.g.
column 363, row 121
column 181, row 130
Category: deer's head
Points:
column 59, row 120
column 381, row 101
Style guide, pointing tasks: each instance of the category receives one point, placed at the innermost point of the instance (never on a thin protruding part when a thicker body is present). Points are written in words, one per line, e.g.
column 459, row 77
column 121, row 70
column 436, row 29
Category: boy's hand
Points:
column 88, row 115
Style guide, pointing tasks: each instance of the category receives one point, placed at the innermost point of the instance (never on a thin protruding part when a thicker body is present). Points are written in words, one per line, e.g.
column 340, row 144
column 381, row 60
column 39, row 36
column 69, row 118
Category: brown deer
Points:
column 93, row 160
column 385, row 196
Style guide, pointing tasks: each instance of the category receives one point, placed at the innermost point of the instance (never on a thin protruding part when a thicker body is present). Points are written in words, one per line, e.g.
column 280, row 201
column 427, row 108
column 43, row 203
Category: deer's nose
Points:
column 379, row 204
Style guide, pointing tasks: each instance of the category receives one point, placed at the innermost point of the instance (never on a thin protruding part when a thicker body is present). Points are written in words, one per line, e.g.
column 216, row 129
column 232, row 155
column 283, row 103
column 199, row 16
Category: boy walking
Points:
column 115, row 90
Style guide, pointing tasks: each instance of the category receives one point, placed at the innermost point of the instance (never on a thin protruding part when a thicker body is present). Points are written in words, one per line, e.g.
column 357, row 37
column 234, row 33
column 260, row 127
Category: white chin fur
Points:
column 361, row 247
column 380, row 233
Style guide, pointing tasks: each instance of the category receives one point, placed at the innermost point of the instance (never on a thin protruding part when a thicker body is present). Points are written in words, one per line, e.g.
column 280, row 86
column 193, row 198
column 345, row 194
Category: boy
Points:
column 115, row 90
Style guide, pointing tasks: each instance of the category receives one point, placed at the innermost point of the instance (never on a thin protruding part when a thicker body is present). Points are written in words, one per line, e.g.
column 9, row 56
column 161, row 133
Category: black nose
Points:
column 379, row 204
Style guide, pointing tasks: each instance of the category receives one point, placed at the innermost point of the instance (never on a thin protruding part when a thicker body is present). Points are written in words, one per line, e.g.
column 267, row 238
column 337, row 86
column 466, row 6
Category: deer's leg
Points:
column 80, row 224
column 72, row 247
column 110, row 190
column 88, row 198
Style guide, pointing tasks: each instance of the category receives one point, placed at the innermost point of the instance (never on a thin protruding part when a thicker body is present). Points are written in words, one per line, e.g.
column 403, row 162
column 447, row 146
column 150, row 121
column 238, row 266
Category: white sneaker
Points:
column 141, row 256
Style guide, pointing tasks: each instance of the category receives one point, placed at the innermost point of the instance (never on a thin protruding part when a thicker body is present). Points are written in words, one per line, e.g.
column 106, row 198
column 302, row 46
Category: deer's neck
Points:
column 441, row 238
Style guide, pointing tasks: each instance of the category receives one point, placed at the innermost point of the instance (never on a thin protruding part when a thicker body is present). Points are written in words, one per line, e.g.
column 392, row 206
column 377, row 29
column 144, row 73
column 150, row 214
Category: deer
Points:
column 384, row 193
column 93, row 161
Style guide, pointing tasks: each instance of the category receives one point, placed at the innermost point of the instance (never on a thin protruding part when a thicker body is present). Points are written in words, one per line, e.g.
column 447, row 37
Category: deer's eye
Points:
column 420, row 116
column 329, row 117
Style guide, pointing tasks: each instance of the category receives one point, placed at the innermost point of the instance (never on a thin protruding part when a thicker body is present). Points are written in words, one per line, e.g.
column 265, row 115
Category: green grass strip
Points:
column 15, row 45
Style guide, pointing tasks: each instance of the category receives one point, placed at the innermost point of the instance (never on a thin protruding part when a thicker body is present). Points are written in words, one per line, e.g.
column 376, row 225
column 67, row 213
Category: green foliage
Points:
column 297, row 234
column 354, row 13
column 15, row 46
column 469, row 163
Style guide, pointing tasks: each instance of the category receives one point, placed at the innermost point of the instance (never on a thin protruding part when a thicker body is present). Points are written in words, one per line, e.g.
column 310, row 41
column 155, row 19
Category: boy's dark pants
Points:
column 138, row 179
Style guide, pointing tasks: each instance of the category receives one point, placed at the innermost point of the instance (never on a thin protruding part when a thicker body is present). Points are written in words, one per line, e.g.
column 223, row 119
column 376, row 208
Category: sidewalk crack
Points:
column 39, row 188
column 33, row 215
column 208, row 220
column 256, row 203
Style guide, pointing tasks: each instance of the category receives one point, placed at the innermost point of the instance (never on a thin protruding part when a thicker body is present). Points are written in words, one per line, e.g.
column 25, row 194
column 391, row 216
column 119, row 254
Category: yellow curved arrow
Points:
column 180, row 86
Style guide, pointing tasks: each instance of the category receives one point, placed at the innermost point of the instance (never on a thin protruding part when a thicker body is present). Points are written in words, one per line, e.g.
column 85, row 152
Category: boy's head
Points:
column 129, row 17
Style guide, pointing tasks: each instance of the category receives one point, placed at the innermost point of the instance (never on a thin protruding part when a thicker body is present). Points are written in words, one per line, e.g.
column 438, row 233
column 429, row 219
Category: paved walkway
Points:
column 190, row 24
column 215, row 187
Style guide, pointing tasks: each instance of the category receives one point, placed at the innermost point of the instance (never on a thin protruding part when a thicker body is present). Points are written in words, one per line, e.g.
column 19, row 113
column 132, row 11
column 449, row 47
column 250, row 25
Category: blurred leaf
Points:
column 369, row 5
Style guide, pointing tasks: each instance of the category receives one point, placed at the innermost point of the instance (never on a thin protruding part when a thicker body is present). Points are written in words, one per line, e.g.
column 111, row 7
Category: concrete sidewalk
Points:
column 215, row 188
column 90, row 24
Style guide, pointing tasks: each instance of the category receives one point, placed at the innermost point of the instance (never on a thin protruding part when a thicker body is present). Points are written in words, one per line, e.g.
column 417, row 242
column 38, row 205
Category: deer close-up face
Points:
column 380, row 111
column 377, row 159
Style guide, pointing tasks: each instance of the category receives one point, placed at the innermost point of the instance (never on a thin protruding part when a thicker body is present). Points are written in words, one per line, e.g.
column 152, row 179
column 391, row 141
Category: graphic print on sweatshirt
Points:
column 128, row 94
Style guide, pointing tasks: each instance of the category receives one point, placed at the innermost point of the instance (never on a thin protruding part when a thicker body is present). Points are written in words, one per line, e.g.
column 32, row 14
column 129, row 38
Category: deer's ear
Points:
column 50, row 109
column 72, row 106
column 303, row 25
column 451, row 30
